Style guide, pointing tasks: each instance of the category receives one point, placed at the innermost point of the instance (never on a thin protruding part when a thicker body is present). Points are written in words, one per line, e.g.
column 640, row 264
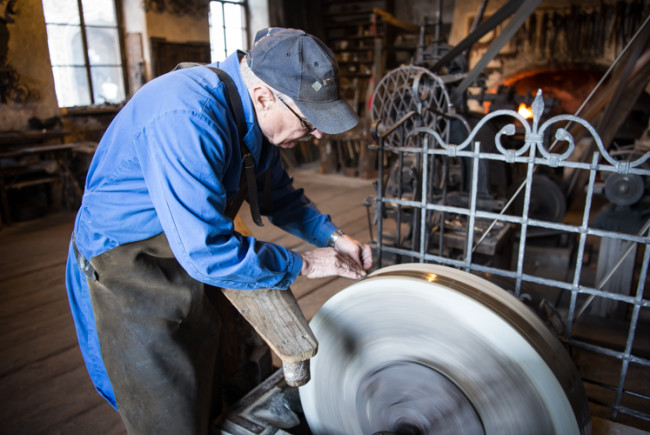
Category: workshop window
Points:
column 85, row 52
column 228, row 28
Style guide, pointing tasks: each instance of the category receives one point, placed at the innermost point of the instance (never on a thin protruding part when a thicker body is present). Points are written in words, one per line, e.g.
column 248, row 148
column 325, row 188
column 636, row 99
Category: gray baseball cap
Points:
column 300, row 66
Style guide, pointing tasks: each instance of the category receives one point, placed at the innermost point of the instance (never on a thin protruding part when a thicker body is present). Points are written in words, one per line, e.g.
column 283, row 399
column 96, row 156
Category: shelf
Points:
column 354, row 62
column 352, row 49
column 348, row 38
column 367, row 76
column 352, row 33
column 349, row 14
column 347, row 24
column 347, row 2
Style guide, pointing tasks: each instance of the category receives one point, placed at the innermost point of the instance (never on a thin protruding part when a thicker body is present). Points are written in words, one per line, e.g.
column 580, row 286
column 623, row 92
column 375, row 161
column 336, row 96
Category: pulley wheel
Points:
column 547, row 200
column 411, row 88
column 424, row 349
column 624, row 189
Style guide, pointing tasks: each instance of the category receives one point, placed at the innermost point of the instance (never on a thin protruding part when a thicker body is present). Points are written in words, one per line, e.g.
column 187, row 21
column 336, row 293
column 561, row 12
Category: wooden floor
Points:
column 44, row 386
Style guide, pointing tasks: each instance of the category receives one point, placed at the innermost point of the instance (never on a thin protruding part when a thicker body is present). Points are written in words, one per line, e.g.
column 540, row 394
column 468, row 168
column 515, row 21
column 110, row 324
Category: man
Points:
column 154, row 236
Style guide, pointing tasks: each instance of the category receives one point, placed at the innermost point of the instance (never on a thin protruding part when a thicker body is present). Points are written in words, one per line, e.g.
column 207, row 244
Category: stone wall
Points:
column 32, row 92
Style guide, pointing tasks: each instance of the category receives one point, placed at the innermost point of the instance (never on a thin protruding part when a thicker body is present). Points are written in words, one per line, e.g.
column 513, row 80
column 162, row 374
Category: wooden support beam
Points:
column 276, row 316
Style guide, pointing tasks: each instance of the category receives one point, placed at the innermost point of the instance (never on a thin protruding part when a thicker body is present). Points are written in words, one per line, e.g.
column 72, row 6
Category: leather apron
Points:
column 175, row 349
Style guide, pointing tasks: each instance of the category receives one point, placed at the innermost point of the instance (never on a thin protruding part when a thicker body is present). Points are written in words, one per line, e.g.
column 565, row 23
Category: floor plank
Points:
column 36, row 285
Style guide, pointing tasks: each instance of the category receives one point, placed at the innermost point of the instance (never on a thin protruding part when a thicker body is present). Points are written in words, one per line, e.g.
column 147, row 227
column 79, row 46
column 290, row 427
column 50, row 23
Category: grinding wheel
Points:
column 420, row 349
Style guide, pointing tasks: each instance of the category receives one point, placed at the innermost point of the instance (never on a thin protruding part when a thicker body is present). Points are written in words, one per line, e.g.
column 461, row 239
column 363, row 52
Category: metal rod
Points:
column 612, row 271
column 424, row 197
column 400, row 194
column 581, row 246
column 416, row 229
column 479, row 16
column 609, row 387
column 524, row 223
column 518, row 19
column 380, row 200
column 494, row 20
column 633, row 323
column 472, row 216
column 439, row 22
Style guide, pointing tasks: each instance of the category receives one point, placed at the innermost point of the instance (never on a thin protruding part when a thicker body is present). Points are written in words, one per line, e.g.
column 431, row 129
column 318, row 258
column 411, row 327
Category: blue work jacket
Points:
column 168, row 163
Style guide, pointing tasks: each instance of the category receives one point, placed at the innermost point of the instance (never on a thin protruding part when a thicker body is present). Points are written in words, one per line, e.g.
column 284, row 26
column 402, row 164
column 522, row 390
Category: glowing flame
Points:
column 525, row 111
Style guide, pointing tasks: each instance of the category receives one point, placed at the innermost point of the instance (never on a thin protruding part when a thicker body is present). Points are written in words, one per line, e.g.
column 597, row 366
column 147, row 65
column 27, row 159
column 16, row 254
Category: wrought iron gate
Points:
column 493, row 204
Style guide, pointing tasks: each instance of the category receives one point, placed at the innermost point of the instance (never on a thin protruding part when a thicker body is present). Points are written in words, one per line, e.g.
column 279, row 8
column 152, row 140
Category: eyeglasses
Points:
column 310, row 128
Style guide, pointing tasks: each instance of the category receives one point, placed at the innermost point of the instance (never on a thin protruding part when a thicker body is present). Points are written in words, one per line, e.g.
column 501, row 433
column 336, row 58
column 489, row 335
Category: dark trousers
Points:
column 175, row 349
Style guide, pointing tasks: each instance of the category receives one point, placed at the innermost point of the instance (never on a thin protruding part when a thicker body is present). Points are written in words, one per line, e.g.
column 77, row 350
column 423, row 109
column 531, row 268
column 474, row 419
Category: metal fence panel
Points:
column 434, row 204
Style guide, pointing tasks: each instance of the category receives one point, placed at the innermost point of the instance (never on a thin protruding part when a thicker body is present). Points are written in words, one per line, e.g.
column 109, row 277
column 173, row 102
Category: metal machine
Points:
column 417, row 348
column 422, row 349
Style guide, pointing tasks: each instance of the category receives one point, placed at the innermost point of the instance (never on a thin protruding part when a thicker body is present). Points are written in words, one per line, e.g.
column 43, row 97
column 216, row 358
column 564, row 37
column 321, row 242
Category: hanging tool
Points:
column 543, row 31
column 556, row 25
column 532, row 30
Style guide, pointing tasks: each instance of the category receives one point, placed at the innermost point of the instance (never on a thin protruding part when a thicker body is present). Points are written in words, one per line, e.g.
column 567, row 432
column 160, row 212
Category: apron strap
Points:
column 234, row 101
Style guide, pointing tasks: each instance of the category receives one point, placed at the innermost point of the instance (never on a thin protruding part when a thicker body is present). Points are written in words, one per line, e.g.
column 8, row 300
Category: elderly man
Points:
column 154, row 236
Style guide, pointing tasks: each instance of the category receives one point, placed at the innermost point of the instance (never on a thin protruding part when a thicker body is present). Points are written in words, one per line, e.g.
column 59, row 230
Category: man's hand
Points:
column 359, row 252
column 349, row 259
column 322, row 262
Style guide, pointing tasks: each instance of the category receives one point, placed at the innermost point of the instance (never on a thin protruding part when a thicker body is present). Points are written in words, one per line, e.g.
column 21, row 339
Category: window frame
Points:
column 119, row 26
column 246, row 31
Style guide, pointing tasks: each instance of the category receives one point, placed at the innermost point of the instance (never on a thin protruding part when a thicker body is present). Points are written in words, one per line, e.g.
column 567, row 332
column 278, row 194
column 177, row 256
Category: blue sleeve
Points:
column 190, row 167
column 290, row 209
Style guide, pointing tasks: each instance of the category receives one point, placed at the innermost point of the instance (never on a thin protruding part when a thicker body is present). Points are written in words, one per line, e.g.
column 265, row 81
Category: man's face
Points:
column 283, row 125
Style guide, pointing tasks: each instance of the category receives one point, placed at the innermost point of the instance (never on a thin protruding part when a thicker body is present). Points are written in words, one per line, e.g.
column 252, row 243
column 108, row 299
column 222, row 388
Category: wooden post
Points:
column 276, row 316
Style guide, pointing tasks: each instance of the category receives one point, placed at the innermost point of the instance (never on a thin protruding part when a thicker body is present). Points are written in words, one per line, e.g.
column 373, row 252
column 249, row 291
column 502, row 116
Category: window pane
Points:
column 103, row 46
column 71, row 86
column 107, row 84
column 218, row 46
column 66, row 47
column 99, row 12
column 61, row 11
column 67, row 56
column 234, row 19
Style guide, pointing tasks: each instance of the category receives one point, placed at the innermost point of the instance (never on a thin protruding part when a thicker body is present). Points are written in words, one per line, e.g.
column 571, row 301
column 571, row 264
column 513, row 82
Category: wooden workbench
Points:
column 30, row 158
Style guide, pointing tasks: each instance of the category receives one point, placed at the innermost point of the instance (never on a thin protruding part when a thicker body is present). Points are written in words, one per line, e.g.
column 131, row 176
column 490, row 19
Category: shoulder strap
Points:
column 234, row 101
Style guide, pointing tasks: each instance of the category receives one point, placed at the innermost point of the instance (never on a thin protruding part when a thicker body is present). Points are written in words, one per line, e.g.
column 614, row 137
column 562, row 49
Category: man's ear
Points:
column 263, row 98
